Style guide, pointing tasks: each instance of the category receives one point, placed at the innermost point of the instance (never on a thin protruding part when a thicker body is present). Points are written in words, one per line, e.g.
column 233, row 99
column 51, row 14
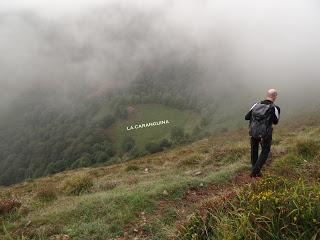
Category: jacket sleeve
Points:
column 276, row 115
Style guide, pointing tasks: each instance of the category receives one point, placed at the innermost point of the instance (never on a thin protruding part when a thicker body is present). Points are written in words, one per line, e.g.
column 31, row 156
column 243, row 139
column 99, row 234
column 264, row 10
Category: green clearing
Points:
column 147, row 113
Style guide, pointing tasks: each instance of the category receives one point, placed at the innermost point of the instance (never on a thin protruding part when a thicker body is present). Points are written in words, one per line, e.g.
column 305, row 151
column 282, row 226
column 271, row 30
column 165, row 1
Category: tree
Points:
column 177, row 135
column 164, row 143
column 128, row 144
column 55, row 167
column 83, row 161
column 153, row 147
column 121, row 111
column 101, row 157
column 134, row 153
column 107, row 121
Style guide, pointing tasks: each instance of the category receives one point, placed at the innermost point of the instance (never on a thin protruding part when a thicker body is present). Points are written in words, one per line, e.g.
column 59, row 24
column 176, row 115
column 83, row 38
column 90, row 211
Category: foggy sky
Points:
column 100, row 44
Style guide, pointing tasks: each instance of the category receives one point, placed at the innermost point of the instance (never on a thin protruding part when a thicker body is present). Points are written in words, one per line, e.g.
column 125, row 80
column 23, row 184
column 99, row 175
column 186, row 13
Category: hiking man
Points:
column 262, row 116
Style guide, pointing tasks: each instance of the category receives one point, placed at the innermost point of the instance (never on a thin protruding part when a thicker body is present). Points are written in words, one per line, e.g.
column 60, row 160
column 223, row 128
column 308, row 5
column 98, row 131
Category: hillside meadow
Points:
column 197, row 191
column 146, row 113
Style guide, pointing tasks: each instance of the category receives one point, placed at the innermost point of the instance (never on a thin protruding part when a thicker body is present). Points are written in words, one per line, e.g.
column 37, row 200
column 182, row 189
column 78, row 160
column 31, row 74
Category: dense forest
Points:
column 41, row 137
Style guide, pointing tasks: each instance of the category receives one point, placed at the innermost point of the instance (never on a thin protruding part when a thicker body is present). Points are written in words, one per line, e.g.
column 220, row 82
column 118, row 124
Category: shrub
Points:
column 193, row 160
column 288, row 165
column 177, row 135
column 311, row 170
column 135, row 153
column 8, row 206
column 165, row 143
column 273, row 208
column 153, row 147
column 307, row 148
column 78, row 184
column 229, row 155
column 109, row 185
column 235, row 154
column 132, row 168
column 47, row 194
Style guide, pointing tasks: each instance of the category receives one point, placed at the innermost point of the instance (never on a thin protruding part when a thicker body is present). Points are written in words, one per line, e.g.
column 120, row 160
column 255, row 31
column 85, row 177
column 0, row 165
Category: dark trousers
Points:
column 257, row 160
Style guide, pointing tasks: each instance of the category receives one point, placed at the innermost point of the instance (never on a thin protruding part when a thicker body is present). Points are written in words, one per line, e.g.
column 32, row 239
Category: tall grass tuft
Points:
column 132, row 167
column 273, row 208
column 307, row 148
column 78, row 184
column 46, row 194
column 305, row 153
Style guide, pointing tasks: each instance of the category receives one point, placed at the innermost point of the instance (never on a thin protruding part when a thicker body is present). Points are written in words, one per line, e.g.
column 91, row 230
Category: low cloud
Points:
column 96, row 45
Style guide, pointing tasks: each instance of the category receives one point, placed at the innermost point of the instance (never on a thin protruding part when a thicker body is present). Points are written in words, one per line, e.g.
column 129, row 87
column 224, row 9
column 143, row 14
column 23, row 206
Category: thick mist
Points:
column 89, row 47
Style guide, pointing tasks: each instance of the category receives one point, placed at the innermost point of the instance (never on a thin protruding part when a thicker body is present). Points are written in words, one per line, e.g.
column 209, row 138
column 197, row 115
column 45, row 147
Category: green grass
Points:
column 273, row 208
column 146, row 113
column 108, row 202
column 284, row 205
column 116, row 195
column 106, row 214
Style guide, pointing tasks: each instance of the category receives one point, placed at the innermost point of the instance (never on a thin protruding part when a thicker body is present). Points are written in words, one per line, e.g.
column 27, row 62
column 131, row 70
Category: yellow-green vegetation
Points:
column 154, row 196
column 272, row 208
column 77, row 184
column 146, row 113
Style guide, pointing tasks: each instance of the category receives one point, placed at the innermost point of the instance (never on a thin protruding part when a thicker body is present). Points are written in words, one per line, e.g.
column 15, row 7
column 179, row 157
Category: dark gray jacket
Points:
column 275, row 113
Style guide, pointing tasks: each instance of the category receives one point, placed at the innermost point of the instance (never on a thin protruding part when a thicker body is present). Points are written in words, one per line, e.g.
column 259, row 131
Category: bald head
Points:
column 272, row 94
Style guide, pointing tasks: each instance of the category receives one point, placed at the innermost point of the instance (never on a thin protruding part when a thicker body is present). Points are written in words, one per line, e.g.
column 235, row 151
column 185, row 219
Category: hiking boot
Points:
column 256, row 175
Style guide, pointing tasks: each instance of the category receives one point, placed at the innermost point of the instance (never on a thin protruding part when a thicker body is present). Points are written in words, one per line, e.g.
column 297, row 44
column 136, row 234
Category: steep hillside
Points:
column 152, row 197
column 47, row 131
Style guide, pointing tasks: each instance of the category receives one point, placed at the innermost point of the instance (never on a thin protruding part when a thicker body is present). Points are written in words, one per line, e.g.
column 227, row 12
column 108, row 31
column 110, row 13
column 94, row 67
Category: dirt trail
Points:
column 194, row 199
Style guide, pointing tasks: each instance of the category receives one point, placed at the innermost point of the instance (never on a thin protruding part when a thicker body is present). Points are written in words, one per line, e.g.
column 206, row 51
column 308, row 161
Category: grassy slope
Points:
column 146, row 113
column 283, row 205
column 126, row 201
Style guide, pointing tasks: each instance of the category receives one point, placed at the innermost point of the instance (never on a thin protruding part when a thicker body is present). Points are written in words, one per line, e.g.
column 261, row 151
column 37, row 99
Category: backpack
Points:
column 260, row 121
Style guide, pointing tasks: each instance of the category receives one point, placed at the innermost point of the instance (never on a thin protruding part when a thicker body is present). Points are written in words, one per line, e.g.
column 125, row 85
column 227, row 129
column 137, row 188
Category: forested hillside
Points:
column 41, row 135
